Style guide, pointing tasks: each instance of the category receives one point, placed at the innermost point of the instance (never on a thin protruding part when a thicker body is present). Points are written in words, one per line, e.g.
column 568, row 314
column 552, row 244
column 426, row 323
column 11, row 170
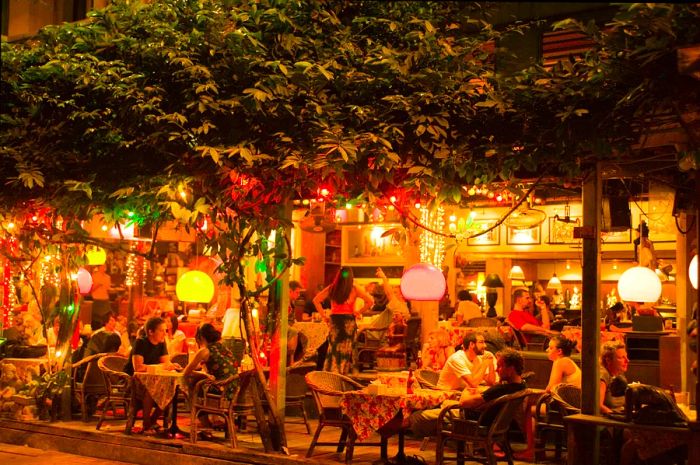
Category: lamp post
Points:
column 492, row 283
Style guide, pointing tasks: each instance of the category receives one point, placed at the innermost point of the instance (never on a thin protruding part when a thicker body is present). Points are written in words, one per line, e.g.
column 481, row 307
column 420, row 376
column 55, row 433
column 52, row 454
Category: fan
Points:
column 525, row 217
column 318, row 220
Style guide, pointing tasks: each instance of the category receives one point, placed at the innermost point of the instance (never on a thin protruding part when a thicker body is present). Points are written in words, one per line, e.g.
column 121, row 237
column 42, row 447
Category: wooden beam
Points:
column 590, row 315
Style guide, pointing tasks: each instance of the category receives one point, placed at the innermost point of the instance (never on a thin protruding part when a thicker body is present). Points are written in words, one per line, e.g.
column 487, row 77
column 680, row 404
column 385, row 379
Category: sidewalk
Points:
column 23, row 455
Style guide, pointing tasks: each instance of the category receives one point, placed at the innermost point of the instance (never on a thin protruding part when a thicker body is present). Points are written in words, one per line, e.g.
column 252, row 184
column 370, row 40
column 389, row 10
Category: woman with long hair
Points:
column 564, row 370
column 341, row 337
column 218, row 360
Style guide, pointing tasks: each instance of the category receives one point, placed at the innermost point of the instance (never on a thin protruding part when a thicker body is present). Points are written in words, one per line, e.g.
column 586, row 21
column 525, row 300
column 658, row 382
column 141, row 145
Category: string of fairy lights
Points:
column 432, row 246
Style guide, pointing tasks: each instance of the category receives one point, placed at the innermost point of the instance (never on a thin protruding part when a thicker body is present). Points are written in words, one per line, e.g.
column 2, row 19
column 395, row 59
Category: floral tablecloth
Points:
column 315, row 333
column 162, row 385
column 369, row 412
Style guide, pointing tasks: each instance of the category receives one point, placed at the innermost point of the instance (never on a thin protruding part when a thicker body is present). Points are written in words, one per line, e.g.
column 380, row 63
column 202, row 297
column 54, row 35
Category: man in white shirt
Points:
column 469, row 367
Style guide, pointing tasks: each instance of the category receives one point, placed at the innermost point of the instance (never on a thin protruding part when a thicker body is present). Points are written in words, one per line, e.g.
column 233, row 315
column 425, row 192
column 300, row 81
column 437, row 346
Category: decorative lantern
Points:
column 195, row 286
column 96, row 256
column 423, row 281
column 693, row 272
column 639, row 284
column 84, row 279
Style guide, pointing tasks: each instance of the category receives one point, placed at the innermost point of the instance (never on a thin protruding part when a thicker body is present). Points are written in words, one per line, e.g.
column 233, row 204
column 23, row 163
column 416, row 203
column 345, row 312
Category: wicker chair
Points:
column 368, row 342
column 481, row 435
column 565, row 399
column 88, row 384
column 296, row 390
column 327, row 390
column 427, row 378
column 207, row 398
column 118, row 386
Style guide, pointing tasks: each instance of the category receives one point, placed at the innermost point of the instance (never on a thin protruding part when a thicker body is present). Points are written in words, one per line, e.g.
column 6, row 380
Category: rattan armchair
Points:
column 118, row 386
column 207, row 397
column 327, row 390
column 482, row 434
column 88, row 384
column 428, row 379
column 368, row 342
column 565, row 399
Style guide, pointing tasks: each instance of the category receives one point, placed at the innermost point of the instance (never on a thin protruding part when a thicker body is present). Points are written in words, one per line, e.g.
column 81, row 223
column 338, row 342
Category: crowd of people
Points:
column 477, row 373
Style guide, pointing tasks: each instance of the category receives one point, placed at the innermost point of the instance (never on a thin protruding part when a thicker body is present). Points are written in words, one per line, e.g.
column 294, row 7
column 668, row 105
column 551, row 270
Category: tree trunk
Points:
column 260, row 385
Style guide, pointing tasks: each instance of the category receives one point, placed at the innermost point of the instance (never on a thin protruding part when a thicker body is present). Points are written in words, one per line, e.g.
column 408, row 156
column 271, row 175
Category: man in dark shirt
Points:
column 150, row 349
column 509, row 368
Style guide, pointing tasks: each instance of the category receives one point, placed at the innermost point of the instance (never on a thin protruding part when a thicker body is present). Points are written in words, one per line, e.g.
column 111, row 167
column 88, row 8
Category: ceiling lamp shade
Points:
column 96, row 256
column 195, row 286
column 84, row 279
column 516, row 273
column 639, row 284
column 492, row 281
column 693, row 272
column 554, row 283
column 423, row 281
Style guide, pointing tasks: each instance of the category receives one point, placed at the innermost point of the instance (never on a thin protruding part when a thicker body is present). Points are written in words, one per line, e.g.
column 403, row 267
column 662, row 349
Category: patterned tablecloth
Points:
column 316, row 334
column 369, row 412
column 162, row 385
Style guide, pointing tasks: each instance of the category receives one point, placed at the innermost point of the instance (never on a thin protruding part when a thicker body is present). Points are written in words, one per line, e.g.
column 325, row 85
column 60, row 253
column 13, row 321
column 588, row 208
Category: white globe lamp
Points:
column 639, row 284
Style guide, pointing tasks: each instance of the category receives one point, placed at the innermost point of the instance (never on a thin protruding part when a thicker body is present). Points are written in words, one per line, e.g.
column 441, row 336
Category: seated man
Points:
column 469, row 367
column 522, row 320
column 510, row 368
column 105, row 339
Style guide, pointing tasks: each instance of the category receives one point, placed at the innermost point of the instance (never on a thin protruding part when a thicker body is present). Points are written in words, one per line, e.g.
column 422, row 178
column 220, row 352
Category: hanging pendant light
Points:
column 423, row 281
column 516, row 273
column 554, row 282
column 96, row 255
column 195, row 286
column 639, row 284
column 693, row 272
column 84, row 280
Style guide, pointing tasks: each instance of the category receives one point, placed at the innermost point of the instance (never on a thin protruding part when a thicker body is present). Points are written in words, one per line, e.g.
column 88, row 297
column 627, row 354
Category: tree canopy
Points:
column 194, row 108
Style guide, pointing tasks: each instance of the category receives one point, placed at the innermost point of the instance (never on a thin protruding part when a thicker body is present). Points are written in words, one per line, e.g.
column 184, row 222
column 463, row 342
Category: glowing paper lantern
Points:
column 195, row 286
column 693, row 272
column 84, row 279
column 423, row 281
column 96, row 256
column 639, row 284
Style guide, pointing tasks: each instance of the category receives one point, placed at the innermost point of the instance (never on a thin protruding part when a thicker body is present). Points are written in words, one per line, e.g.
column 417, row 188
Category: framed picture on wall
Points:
column 523, row 236
column 616, row 237
column 561, row 232
column 492, row 237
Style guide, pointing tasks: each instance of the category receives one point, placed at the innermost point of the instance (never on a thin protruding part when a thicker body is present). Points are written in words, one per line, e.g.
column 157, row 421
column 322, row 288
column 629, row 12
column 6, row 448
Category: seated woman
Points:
column 149, row 349
column 564, row 370
column 175, row 339
column 614, row 362
column 466, row 308
column 218, row 360
column 437, row 350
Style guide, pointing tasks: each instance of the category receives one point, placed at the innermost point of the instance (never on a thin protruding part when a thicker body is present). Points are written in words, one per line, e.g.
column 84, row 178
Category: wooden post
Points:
column 278, row 355
column 590, row 314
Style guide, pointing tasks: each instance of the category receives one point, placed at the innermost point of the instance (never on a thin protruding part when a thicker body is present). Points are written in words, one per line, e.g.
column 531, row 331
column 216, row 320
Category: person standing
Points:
column 101, row 307
column 470, row 366
column 343, row 328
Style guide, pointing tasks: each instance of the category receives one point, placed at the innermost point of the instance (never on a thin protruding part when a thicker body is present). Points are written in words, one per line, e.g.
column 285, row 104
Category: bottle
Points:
column 419, row 360
column 409, row 382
